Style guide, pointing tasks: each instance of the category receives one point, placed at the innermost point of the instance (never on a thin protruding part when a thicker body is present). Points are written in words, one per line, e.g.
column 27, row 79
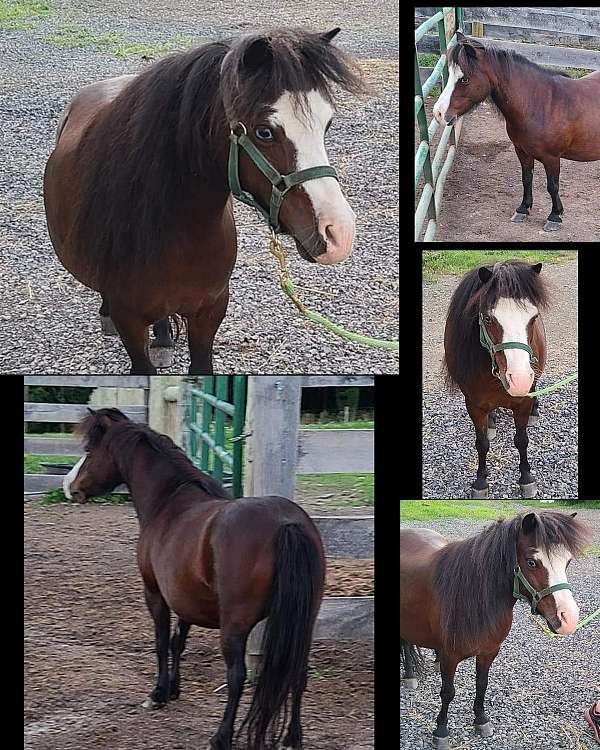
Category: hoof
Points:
column 528, row 490
column 484, row 730
column 480, row 494
column 410, row 683
column 518, row 218
column 442, row 743
column 107, row 326
column 161, row 356
column 151, row 704
column 533, row 420
column 552, row 226
column 491, row 433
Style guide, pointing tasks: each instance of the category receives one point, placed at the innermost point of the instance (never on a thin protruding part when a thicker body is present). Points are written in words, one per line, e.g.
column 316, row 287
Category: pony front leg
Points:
column 177, row 646
column 526, row 479
column 480, row 487
column 482, row 722
column 554, row 222
column 447, row 693
column 202, row 328
column 527, row 164
column 133, row 331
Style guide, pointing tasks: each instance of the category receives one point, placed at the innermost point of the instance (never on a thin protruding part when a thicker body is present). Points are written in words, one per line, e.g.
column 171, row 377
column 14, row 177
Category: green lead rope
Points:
column 287, row 285
column 554, row 387
column 581, row 624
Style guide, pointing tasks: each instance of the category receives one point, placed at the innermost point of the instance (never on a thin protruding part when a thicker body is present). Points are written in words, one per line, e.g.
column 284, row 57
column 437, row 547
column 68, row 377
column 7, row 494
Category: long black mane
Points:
column 502, row 61
column 148, row 157
column 473, row 578
column 513, row 279
column 124, row 436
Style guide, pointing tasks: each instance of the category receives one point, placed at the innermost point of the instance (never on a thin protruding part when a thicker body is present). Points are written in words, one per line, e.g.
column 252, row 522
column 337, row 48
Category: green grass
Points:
column 111, row 43
column 359, row 488
column 57, row 496
column 438, row 262
column 33, row 463
column 19, row 14
column 364, row 424
column 483, row 510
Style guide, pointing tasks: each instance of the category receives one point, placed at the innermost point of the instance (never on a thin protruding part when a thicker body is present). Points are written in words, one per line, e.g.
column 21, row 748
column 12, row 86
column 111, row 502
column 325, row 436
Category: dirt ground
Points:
column 484, row 188
column 89, row 648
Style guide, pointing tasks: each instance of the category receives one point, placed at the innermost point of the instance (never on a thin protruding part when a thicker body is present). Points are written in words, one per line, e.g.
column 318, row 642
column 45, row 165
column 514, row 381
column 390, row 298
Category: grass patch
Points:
column 438, row 262
column 110, row 43
column 479, row 510
column 18, row 14
column 346, row 489
column 570, row 504
column 364, row 424
column 33, row 463
column 57, row 496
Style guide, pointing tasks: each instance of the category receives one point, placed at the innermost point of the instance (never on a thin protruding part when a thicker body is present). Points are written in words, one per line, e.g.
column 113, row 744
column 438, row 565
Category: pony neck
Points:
column 514, row 97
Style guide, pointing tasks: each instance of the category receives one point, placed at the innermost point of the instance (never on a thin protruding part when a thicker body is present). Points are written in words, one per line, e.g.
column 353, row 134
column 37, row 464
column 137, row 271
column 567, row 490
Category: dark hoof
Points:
column 518, row 218
column 485, row 730
column 107, row 326
column 442, row 743
column 528, row 490
column 161, row 356
column 491, row 433
column 480, row 494
column 552, row 226
column 533, row 420
column 410, row 683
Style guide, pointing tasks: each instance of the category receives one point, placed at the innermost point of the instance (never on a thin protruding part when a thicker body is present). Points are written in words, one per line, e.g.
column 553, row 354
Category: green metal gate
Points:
column 214, row 426
column 433, row 171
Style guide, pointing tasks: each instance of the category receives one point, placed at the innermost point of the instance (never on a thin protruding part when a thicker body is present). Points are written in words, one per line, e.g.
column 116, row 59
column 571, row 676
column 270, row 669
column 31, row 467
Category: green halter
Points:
column 536, row 596
column 281, row 183
column 487, row 343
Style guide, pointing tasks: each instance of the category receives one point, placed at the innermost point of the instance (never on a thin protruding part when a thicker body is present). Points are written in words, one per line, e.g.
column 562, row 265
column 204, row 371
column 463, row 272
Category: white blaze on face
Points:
column 555, row 563
column 70, row 477
column 335, row 218
column 514, row 316
column 442, row 104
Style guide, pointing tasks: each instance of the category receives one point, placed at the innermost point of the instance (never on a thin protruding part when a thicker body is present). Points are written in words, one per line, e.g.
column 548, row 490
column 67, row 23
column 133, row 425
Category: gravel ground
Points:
column 539, row 687
column 49, row 322
column 449, row 455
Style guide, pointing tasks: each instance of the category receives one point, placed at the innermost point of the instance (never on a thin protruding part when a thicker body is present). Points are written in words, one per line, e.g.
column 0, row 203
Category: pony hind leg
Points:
column 161, row 614
column 554, row 222
column 527, row 164
column 178, row 642
column 106, row 325
column 409, row 654
column 233, row 647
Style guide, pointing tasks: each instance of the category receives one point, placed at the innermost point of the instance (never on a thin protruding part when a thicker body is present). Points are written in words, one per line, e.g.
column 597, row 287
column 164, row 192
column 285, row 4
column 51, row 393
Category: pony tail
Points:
column 287, row 637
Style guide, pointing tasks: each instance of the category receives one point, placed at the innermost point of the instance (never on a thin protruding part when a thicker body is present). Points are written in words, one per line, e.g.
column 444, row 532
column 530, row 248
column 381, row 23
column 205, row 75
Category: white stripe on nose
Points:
column 70, row 477
column 442, row 104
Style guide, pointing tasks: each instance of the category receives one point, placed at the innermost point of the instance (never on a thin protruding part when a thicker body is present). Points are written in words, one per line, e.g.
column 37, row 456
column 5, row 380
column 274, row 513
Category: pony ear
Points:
column 91, row 411
column 529, row 523
column 573, row 514
column 258, row 55
column 328, row 35
column 460, row 36
column 537, row 267
column 485, row 274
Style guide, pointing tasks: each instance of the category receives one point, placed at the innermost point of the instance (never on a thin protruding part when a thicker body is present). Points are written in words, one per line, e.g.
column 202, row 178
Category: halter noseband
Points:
column 487, row 343
column 536, row 596
column 281, row 183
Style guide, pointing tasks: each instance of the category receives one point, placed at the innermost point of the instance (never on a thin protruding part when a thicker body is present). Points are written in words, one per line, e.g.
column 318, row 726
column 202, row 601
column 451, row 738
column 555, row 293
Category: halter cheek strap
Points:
column 536, row 596
column 486, row 341
column 280, row 184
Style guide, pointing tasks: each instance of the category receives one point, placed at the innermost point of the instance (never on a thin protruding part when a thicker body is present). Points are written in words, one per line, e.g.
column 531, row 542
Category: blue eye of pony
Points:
column 264, row 134
column 531, row 563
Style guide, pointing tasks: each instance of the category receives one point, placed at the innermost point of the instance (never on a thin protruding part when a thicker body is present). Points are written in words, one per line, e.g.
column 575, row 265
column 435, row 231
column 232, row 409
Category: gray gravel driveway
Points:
column 49, row 322
column 449, row 455
column 539, row 687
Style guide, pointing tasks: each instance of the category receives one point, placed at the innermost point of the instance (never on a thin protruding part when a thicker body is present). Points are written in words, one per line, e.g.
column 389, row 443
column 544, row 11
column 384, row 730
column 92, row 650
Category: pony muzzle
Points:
column 339, row 238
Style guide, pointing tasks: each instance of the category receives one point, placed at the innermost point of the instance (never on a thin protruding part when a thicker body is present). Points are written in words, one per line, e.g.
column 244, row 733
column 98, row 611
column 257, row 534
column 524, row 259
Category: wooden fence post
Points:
column 164, row 406
column 273, row 419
